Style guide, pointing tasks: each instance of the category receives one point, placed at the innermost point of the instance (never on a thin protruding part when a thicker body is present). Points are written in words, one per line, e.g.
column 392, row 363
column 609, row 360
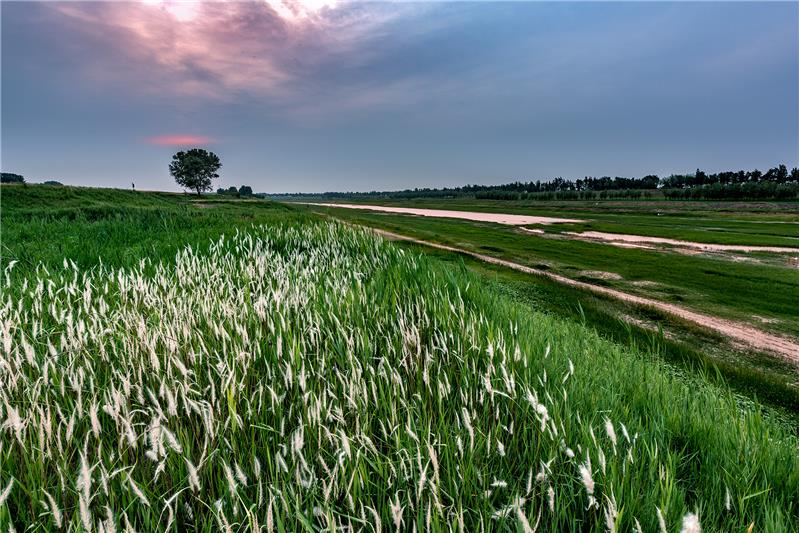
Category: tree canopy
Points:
column 10, row 177
column 776, row 183
column 194, row 169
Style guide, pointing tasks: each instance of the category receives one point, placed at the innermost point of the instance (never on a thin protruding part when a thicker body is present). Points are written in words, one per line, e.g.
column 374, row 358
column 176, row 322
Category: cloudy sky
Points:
column 315, row 95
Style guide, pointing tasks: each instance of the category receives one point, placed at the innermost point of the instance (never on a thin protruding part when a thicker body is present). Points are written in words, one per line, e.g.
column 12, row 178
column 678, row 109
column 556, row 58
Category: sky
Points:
column 326, row 95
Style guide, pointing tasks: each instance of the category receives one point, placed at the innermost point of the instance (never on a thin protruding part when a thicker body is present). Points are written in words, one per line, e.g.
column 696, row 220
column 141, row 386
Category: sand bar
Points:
column 620, row 238
column 477, row 216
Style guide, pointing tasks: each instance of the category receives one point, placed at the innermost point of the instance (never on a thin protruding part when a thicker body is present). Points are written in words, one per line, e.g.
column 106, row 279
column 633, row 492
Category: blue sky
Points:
column 318, row 95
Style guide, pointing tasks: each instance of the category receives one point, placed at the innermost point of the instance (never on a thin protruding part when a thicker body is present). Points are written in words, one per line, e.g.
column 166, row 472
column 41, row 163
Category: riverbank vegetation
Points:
column 777, row 183
column 284, row 372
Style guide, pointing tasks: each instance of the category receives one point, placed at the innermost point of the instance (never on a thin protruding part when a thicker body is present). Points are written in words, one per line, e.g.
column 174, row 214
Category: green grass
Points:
column 37, row 200
column 685, row 346
column 118, row 226
column 743, row 223
column 736, row 290
column 316, row 376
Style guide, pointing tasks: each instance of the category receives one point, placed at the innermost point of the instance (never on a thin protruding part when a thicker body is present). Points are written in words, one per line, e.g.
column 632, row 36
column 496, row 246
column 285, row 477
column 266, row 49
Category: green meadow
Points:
column 172, row 362
column 745, row 223
column 763, row 292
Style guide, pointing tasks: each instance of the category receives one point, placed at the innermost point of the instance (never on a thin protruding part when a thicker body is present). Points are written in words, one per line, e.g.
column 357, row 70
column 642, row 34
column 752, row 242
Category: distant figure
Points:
column 133, row 185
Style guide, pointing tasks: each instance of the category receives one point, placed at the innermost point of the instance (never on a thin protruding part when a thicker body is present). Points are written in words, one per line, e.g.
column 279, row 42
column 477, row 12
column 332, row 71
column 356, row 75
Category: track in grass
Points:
column 741, row 333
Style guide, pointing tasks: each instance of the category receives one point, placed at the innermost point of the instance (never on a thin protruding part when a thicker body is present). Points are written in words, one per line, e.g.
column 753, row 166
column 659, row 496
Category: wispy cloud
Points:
column 314, row 95
column 225, row 50
column 179, row 140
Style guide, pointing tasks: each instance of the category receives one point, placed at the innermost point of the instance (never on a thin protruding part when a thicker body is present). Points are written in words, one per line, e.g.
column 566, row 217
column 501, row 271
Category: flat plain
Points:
column 752, row 283
column 172, row 361
column 752, row 288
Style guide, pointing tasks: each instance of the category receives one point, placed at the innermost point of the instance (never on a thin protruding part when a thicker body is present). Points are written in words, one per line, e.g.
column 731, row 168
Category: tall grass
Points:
column 312, row 376
column 41, row 224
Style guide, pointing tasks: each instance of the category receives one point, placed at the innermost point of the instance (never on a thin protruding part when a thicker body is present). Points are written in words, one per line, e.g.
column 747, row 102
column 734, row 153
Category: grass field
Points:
column 180, row 363
column 747, row 223
column 762, row 294
column 687, row 347
column 119, row 226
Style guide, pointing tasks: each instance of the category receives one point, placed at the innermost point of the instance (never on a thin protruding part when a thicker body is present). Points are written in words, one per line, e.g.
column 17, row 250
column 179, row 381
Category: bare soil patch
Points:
column 599, row 274
column 646, row 283
column 477, row 216
column 620, row 239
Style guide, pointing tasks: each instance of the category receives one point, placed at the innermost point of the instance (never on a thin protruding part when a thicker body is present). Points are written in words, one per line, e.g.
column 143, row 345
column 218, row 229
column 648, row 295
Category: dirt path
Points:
column 620, row 238
column 478, row 216
column 737, row 332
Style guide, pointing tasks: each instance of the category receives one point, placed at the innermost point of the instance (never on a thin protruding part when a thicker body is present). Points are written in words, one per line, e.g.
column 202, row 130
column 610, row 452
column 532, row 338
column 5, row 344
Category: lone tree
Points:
column 195, row 169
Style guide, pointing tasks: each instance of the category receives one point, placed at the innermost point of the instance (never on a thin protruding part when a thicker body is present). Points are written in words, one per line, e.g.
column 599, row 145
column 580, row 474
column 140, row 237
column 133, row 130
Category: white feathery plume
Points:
column 661, row 521
column 611, row 514
column 85, row 513
column 690, row 524
column 434, row 462
column 240, row 476
column 269, row 518
column 378, row 527
column 137, row 491
column 588, row 481
column 6, row 492
column 84, row 483
column 396, row 511
column 54, row 509
column 194, row 479
column 231, row 480
column 611, row 431
column 109, row 524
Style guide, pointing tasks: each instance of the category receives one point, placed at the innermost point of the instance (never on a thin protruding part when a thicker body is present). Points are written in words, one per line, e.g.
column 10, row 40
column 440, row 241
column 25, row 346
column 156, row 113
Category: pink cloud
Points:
column 179, row 140
column 222, row 50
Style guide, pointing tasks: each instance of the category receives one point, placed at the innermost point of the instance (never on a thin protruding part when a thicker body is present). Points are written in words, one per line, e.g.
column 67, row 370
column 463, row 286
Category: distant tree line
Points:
column 9, row 177
column 605, row 183
column 775, row 184
column 615, row 194
column 244, row 191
